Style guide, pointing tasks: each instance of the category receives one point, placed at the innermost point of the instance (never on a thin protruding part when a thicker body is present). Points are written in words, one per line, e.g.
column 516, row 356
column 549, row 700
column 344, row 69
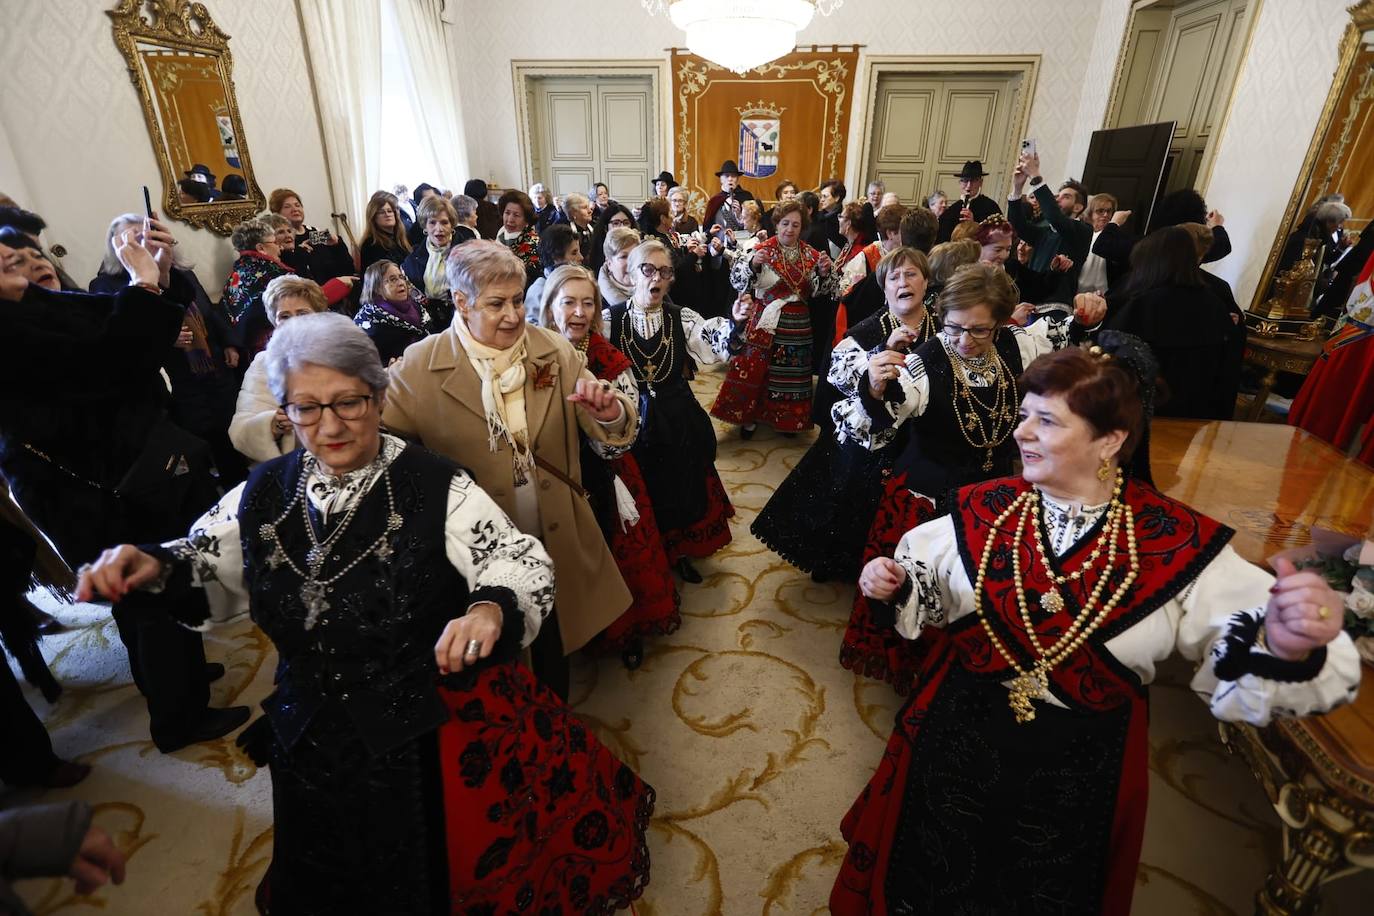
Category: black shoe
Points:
column 213, row 723
column 213, row 672
column 747, row 432
column 688, row 572
column 633, row 655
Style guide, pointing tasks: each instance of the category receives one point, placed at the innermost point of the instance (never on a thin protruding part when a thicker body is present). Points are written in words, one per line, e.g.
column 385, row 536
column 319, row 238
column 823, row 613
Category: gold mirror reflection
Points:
column 1340, row 161
column 179, row 63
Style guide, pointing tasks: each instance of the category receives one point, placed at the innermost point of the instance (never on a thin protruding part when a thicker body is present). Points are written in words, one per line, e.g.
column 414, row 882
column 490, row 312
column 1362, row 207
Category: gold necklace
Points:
column 1052, row 602
column 648, row 365
column 1001, row 414
column 890, row 322
column 1033, row 683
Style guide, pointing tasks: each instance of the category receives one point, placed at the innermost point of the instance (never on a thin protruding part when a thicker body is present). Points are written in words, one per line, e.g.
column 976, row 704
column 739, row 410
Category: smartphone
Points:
column 1028, row 148
column 319, row 237
column 147, row 202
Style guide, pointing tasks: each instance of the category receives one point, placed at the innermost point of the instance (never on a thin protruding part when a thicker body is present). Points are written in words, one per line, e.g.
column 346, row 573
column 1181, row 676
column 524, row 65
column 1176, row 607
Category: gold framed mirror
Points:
column 180, row 65
column 1340, row 160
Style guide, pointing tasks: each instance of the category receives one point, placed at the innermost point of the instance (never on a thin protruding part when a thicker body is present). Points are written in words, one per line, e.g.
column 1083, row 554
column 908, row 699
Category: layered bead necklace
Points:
column 314, row 587
column 890, row 322
column 984, row 426
column 650, row 367
column 1033, row 683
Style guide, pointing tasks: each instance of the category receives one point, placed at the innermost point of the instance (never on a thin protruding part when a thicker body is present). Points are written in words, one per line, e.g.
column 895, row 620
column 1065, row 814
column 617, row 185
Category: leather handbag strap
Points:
column 572, row 484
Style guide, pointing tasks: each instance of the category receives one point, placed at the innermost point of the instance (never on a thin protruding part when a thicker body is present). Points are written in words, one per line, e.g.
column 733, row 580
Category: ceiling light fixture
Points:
column 741, row 34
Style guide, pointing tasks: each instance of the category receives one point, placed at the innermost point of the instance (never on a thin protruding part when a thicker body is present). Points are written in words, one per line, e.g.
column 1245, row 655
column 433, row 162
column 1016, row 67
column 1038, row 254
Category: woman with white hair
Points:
column 397, row 595
column 676, row 448
column 545, row 212
column 507, row 400
column 614, row 280
column 260, row 429
column 200, row 365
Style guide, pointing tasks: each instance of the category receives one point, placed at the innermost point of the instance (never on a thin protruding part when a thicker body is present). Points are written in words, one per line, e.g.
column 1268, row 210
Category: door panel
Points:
column 589, row 129
column 927, row 126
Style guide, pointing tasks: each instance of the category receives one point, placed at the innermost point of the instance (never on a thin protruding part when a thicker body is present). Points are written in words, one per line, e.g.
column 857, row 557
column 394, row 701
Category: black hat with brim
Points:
column 729, row 168
column 667, row 176
column 973, row 168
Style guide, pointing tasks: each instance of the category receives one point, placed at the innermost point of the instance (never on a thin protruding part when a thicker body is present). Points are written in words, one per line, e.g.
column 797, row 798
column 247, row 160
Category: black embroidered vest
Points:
column 623, row 337
column 372, row 651
column 937, row 457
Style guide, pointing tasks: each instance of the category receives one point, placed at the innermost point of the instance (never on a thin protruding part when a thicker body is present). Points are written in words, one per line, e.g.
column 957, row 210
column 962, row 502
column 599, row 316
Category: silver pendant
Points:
column 384, row 551
column 277, row 557
column 314, row 558
column 394, row 522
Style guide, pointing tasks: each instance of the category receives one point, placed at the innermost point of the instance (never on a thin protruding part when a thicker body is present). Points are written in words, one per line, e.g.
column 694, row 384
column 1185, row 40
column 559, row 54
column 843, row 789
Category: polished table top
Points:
column 1273, row 483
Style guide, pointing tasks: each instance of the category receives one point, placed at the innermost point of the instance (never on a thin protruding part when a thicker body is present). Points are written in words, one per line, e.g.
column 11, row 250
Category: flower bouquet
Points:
column 1347, row 564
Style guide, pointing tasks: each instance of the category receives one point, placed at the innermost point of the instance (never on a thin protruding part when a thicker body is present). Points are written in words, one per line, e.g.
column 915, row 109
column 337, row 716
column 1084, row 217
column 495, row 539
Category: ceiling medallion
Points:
column 741, row 34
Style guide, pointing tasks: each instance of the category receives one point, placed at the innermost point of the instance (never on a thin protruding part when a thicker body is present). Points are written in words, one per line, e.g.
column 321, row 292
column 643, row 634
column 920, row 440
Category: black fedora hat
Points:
column 729, row 168
column 972, row 169
column 667, row 176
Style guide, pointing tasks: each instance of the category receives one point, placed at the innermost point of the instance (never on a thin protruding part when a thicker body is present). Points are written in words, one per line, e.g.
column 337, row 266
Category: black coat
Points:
column 981, row 205
column 1063, row 234
column 323, row 262
column 1198, row 345
column 372, row 252
column 1114, row 246
column 80, row 383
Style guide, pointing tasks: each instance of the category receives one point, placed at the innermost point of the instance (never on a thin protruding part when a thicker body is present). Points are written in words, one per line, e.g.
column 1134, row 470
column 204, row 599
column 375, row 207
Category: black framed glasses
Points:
column 620, row 222
column 955, row 330
column 663, row 273
column 352, row 407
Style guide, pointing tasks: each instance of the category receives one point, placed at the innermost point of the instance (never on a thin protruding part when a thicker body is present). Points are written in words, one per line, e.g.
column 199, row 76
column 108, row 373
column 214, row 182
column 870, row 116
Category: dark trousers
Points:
column 28, row 757
column 166, row 659
column 547, row 660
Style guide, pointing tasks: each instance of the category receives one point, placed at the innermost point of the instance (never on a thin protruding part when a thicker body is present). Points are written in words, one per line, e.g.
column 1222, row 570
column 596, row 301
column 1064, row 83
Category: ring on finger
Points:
column 474, row 648
column 1323, row 612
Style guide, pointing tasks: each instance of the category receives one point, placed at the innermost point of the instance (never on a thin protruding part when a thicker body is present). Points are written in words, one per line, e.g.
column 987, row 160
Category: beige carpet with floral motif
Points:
column 754, row 736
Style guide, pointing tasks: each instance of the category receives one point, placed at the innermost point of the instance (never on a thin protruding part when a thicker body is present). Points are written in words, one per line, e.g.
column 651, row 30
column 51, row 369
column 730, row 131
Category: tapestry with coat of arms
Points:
column 784, row 120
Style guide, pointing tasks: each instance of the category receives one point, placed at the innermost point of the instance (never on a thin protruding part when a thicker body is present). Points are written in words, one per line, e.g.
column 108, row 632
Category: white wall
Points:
column 1097, row 81
column 491, row 34
column 81, row 148
column 1279, row 95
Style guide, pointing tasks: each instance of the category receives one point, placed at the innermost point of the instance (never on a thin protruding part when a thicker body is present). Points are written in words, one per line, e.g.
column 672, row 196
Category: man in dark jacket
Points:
column 971, row 198
column 1058, row 231
column 91, row 457
column 488, row 217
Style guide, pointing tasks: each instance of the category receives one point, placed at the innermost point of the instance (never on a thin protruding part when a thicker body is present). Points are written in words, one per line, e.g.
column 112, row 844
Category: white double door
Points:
column 589, row 129
column 926, row 127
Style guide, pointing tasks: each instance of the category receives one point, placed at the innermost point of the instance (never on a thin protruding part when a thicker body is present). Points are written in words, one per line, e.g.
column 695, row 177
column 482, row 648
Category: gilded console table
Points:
column 1272, row 484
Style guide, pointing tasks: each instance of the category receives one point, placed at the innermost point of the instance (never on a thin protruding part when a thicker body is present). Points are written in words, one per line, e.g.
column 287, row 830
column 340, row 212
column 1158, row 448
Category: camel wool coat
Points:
column 435, row 397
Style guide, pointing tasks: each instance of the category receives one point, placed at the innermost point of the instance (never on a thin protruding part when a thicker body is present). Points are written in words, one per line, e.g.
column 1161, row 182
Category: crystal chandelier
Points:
column 740, row 34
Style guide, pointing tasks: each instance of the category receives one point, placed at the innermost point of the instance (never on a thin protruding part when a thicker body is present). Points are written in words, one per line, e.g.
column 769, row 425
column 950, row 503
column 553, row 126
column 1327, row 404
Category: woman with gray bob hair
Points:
column 326, row 339
column 385, row 675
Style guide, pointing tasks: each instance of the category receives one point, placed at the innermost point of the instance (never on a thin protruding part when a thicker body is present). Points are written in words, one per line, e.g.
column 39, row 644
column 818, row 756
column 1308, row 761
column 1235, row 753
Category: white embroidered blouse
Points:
column 479, row 540
column 707, row 338
column 1226, row 598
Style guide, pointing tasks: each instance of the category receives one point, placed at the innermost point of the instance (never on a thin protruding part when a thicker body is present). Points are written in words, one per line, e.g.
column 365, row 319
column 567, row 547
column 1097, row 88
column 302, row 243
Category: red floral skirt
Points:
column 541, row 818
column 1337, row 399
column 709, row 533
column 872, row 647
column 770, row 379
column 643, row 564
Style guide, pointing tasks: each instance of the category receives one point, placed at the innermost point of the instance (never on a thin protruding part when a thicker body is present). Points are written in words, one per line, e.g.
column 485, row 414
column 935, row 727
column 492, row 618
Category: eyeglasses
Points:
column 395, row 278
column 664, row 273
column 352, row 407
column 954, row 330
column 620, row 221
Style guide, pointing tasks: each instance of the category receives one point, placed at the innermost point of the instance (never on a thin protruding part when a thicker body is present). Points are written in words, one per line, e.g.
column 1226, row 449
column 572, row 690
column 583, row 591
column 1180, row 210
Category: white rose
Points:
column 1361, row 603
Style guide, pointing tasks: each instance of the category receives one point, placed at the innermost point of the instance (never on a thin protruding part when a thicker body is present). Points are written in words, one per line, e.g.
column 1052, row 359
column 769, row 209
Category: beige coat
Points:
column 436, row 397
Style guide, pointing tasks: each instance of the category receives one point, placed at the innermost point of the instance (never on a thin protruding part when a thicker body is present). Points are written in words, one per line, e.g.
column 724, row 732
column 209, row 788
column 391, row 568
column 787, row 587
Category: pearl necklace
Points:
column 1034, row 682
column 314, row 589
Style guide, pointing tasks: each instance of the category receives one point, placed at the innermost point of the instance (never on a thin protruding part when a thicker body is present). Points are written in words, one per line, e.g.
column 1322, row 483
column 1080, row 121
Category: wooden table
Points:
column 1275, row 355
column 1273, row 484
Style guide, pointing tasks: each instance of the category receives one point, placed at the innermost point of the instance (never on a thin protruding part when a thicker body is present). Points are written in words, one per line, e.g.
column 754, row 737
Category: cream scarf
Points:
column 436, row 281
column 503, row 396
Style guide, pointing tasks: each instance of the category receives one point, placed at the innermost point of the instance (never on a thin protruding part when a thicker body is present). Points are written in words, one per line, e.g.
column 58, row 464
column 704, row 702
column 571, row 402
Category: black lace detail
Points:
column 1237, row 654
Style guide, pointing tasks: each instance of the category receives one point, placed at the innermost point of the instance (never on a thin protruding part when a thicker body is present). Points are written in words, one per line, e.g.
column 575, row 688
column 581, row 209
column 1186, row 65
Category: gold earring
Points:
column 1105, row 471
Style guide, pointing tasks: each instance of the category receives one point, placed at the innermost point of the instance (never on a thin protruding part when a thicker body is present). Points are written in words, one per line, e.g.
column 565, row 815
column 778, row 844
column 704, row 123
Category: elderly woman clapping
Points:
column 507, row 400
column 260, row 428
column 397, row 595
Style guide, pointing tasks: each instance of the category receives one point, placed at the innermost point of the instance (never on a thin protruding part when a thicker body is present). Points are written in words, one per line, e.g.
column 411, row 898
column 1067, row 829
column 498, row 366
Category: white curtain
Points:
column 433, row 94
column 341, row 37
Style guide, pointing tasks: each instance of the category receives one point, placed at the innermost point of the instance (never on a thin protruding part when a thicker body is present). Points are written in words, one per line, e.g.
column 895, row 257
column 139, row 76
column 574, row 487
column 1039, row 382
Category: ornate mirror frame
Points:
column 1352, row 41
column 182, row 25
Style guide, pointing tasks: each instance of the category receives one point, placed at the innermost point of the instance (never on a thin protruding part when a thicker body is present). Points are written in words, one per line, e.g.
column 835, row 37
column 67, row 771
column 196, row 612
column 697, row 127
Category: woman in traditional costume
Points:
column 416, row 766
column 572, row 304
column 676, row 448
column 1016, row 778
column 818, row 518
column 393, row 312
column 770, row 379
column 957, row 394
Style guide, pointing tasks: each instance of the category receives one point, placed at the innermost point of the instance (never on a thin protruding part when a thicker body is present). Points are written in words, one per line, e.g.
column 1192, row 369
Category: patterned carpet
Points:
column 754, row 736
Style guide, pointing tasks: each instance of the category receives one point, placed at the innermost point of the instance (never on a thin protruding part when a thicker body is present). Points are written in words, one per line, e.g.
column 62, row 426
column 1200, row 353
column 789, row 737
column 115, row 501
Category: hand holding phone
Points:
column 1028, row 148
